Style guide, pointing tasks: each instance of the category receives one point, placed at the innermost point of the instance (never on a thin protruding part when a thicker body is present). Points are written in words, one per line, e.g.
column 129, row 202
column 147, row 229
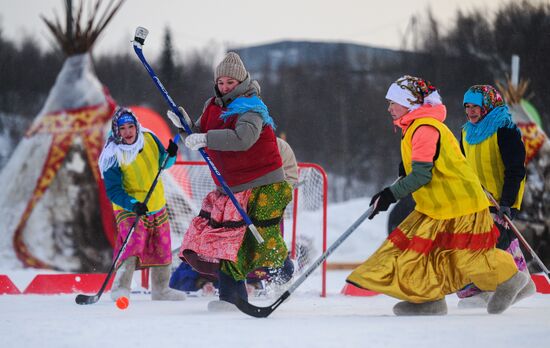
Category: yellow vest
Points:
column 487, row 163
column 138, row 176
column 454, row 189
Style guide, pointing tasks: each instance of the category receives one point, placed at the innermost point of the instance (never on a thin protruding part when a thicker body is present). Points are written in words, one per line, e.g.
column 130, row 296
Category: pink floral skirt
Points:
column 216, row 233
column 150, row 241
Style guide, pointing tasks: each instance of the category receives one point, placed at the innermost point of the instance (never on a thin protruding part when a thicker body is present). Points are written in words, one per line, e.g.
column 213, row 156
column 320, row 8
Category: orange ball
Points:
column 122, row 302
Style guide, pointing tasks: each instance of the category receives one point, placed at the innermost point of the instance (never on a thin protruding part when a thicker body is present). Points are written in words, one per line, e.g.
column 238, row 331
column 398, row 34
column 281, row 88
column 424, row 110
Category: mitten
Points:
column 176, row 120
column 172, row 148
column 196, row 141
column 140, row 208
column 382, row 200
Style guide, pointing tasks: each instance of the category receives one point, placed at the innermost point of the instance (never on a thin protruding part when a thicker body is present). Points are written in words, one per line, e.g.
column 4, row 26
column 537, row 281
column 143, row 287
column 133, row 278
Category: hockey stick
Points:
column 519, row 235
column 263, row 312
column 139, row 41
column 86, row 299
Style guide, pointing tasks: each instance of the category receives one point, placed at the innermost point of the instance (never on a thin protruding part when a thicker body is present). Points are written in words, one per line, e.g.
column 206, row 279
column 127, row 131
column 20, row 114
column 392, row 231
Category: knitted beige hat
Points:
column 231, row 66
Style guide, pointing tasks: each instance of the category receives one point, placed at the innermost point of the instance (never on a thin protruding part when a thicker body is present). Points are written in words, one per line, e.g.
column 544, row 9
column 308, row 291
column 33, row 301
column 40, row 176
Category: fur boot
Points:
column 438, row 307
column 160, row 291
column 506, row 293
column 476, row 301
column 123, row 278
column 230, row 290
column 221, row 306
column 528, row 290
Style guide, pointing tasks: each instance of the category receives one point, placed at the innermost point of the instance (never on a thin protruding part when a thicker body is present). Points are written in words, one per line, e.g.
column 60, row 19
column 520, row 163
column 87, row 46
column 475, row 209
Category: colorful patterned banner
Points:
column 532, row 137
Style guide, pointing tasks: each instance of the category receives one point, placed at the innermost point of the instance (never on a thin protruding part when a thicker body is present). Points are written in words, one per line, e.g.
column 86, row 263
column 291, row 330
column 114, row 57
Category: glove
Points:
column 385, row 199
column 176, row 120
column 140, row 208
column 196, row 141
column 172, row 148
column 505, row 210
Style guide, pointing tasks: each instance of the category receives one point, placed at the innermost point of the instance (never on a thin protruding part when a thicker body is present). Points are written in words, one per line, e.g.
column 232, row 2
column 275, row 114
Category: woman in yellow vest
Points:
column 448, row 241
column 492, row 144
column 129, row 163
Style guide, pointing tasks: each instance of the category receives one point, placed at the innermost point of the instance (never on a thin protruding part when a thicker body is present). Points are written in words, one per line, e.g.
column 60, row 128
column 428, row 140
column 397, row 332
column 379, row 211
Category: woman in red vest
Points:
column 237, row 132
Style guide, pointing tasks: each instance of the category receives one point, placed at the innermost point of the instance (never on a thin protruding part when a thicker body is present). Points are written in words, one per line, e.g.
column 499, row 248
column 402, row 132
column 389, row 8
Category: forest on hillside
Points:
column 331, row 113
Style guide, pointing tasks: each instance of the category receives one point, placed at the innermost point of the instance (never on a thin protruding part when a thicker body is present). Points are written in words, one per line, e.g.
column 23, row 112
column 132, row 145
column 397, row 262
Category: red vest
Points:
column 240, row 167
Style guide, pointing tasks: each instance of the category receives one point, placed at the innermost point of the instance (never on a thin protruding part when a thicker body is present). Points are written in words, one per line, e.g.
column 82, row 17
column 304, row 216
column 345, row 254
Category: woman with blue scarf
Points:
column 238, row 133
column 492, row 144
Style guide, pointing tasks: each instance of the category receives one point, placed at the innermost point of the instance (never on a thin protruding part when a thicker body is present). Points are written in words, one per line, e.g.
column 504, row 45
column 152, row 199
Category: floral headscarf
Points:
column 413, row 92
column 484, row 96
column 494, row 112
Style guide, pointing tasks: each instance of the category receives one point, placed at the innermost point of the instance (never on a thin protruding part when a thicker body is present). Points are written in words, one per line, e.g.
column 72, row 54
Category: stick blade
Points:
column 85, row 299
column 260, row 312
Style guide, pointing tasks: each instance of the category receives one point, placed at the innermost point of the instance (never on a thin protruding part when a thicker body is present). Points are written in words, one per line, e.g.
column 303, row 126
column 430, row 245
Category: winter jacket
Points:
column 242, row 147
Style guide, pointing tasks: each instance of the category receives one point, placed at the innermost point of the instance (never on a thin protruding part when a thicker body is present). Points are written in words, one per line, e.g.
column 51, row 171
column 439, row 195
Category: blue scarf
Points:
column 499, row 117
column 242, row 105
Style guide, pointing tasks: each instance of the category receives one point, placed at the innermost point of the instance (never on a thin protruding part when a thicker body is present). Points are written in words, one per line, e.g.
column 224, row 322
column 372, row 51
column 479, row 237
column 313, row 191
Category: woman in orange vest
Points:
column 448, row 241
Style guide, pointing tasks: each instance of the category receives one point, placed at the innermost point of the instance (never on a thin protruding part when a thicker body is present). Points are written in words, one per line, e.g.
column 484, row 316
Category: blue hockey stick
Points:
column 139, row 41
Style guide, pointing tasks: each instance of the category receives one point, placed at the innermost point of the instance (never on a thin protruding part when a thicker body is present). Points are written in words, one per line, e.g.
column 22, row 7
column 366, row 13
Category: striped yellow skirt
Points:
column 424, row 259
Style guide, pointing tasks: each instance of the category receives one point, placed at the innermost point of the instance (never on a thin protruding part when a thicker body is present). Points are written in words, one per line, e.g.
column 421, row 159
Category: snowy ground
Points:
column 306, row 320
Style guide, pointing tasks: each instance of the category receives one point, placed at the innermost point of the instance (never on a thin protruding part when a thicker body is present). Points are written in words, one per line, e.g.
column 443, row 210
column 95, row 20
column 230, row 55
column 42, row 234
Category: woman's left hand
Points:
column 196, row 141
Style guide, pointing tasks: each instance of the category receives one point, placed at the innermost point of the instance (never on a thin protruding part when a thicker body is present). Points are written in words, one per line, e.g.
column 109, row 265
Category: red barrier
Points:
column 47, row 284
column 541, row 282
column 7, row 287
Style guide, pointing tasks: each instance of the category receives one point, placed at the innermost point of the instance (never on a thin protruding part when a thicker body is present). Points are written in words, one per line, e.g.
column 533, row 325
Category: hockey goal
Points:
column 305, row 219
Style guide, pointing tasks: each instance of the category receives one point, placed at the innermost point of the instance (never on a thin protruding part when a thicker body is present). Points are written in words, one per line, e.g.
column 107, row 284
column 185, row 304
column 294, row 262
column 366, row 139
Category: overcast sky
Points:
column 200, row 23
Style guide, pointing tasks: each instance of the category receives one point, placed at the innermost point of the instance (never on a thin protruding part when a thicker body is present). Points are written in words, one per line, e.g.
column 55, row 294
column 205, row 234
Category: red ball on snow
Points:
column 122, row 302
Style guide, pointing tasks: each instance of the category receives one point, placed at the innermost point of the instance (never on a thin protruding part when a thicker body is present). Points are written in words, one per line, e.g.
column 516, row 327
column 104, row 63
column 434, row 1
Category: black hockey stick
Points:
column 263, row 312
column 87, row 299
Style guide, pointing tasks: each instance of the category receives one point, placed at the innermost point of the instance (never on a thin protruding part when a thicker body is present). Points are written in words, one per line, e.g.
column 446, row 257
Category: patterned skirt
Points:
column 218, row 239
column 424, row 259
column 150, row 241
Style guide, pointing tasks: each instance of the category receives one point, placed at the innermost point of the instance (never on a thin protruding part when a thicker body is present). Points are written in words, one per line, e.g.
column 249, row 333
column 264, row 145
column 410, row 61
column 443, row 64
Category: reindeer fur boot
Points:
column 479, row 300
column 160, row 291
column 438, row 307
column 528, row 290
column 123, row 278
column 506, row 293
